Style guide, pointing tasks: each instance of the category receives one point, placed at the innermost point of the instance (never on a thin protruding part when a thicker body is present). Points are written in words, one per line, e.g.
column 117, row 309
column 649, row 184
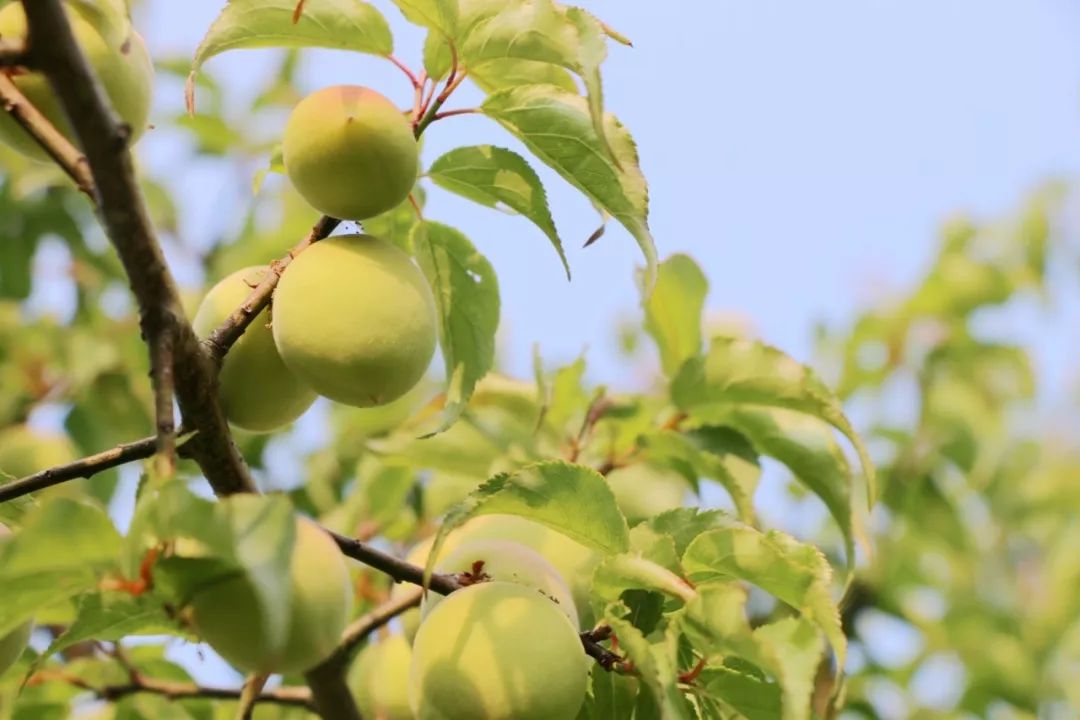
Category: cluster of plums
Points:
column 352, row 317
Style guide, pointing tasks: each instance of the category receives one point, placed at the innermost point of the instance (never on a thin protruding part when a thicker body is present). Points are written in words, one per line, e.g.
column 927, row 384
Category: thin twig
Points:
column 457, row 76
column 83, row 468
column 369, row 622
column 398, row 569
column 249, row 696
column 124, row 215
column 230, row 330
column 59, row 148
column 290, row 696
column 13, row 53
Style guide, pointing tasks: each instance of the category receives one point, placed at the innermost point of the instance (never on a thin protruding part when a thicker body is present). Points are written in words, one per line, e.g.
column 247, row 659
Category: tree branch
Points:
column 123, row 213
column 369, row 622
column 59, row 148
column 398, row 569
column 161, row 367
column 233, row 327
column 85, row 468
column 332, row 698
column 291, row 696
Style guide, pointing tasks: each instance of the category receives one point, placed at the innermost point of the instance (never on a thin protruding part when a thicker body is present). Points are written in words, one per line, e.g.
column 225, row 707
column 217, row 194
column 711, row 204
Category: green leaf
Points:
column 612, row 695
column 673, row 311
column 60, row 552
column 544, row 32
column 336, row 24
column 751, row 696
column 747, row 372
column 738, row 477
column 789, row 650
column 467, row 295
column 111, row 616
column 439, row 15
column 622, row 572
column 556, row 127
column 807, row 447
column 492, row 75
column 573, row 499
column 682, row 525
column 494, row 176
column 796, row 573
column 655, row 662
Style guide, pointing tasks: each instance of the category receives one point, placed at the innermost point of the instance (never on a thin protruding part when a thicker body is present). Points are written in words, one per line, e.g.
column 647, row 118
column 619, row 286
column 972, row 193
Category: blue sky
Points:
column 802, row 152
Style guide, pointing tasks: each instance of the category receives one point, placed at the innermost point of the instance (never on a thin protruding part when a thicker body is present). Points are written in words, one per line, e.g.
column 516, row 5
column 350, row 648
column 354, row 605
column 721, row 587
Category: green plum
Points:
column 505, row 561
column 226, row 613
column 257, row 391
column 350, row 152
column 379, row 679
column 574, row 561
column 644, row 490
column 124, row 69
column 354, row 318
column 497, row 651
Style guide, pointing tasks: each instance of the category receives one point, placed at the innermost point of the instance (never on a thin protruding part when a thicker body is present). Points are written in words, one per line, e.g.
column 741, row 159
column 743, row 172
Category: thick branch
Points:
column 233, row 327
column 332, row 698
column 84, row 468
column 59, row 148
column 123, row 213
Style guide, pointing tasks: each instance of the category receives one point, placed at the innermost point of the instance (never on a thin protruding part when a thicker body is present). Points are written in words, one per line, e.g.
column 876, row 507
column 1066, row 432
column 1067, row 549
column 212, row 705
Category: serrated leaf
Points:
column 625, row 571
column 808, row 449
column 556, row 127
column 492, row 75
column 612, row 695
column 796, row 573
column 673, row 311
column 573, row 499
column 749, row 695
column 494, row 176
column 747, row 372
column 682, row 525
column 789, row 650
column 467, row 297
column 439, row 15
column 655, row 662
column 336, row 24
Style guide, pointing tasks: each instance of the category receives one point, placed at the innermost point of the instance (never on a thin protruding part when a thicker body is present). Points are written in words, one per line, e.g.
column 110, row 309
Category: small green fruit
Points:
column 25, row 451
column 350, row 152
column 226, row 614
column 506, row 561
column 643, row 491
column 125, row 71
column 497, row 651
column 574, row 561
column 379, row 679
column 354, row 319
column 13, row 644
column 410, row 619
column 257, row 392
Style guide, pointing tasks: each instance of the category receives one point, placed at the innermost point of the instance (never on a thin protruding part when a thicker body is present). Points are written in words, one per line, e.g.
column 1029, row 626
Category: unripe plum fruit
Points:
column 354, row 318
column 574, row 561
column 350, row 152
column 13, row 644
column 226, row 614
column 410, row 619
column 379, row 679
column 497, row 651
column 643, row 490
column 257, row 391
column 125, row 72
column 505, row 561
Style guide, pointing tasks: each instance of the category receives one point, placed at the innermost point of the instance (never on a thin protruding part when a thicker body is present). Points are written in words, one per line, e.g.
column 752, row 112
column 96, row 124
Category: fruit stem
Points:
column 405, row 69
